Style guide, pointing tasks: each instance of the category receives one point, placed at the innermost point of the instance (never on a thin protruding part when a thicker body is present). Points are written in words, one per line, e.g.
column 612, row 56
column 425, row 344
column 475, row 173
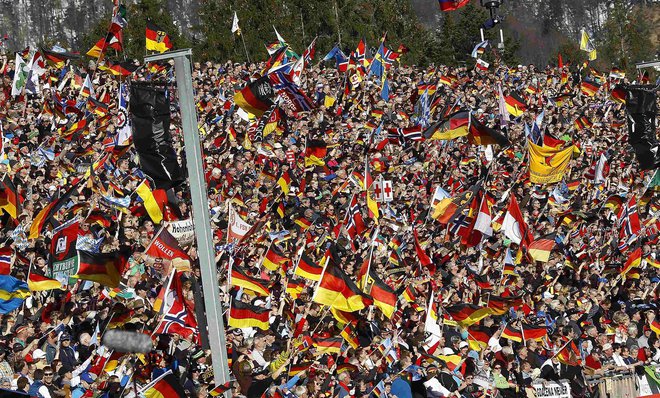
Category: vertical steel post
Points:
column 203, row 235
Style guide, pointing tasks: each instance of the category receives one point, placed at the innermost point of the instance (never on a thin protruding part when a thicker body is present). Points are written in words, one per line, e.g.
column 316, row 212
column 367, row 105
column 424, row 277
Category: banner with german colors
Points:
column 541, row 248
column 534, row 332
column 467, row 314
column 244, row 315
column 512, row 333
column 274, row 258
column 383, row 296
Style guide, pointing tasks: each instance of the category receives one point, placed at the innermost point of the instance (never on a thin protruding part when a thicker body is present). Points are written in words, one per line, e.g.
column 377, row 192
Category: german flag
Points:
column 103, row 268
column 166, row 386
column 480, row 134
column 478, row 337
column 285, row 182
column 50, row 210
column 631, row 267
column 541, row 248
column 68, row 133
column 56, row 59
column 118, row 68
column 454, row 126
column 308, row 269
column 294, row 288
column 151, row 205
column 512, row 333
column 315, row 152
column 569, row 354
column 244, row 315
column 618, row 94
column 303, row 223
column 37, row 283
column 560, row 100
column 274, row 258
column 534, row 332
column 589, row 88
column 348, row 333
column 280, row 209
column 221, row 389
column 446, row 209
column 113, row 39
column 583, row 122
column 9, row 198
column 337, row 290
column 299, row 368
column 97, row 107
column 408, row 295
column 343, row 317
column 328, row 346
column 157, row 38
column 515, row 104
column 467, row 314
column 255, row 97
column 241, row 279
column 346, row 367
column 121, row 316
column 383, row 295
column 655, row 326
column 500, row 305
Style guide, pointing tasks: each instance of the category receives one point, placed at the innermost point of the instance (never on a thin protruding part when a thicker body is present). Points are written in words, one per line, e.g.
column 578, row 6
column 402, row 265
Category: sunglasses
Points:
column 48, row 374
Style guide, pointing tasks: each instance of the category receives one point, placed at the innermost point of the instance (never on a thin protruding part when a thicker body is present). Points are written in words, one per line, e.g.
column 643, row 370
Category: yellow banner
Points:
column 547, row 165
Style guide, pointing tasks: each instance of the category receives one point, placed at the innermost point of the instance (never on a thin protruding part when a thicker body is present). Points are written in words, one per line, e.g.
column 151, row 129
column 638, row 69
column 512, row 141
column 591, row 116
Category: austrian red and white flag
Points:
column 514, row 225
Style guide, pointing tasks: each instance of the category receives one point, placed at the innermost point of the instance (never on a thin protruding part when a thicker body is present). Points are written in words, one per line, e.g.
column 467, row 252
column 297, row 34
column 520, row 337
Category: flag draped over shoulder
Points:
column 547, row 165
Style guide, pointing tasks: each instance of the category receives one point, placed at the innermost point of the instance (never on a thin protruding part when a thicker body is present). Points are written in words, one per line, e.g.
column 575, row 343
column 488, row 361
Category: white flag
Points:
column 237, row 228
column 20, row 75
column 234, row 25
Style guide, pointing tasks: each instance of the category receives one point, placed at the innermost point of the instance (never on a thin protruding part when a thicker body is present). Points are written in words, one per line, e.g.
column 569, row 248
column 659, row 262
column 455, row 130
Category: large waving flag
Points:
column 337, row 290
column 103, row 268
column 547, row 165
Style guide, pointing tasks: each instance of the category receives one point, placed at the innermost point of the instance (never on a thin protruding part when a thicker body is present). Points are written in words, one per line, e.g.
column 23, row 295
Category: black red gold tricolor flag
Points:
column 337, row 290
column 118, row 68
column 480, row 134
column 274, row 258
column 167, row 386
column 255, row 97
column 49, row 211
column 103, row 268
column 534, row 332
column 157, row 39
column 9, row 198
column 467, row 314
column 241, row 279
column 330, row 345
column 541, row 248
column 308, row 269
column 384, row 296
column 515, row 104
column 244, row 315
column 37, row 283
column 512, row 333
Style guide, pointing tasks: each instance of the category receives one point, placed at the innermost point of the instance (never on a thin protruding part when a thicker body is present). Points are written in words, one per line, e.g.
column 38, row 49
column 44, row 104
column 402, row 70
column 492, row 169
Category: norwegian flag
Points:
column 400, row 135
column 629, row 220
column 5, row 260
column 179, row 317
column 354, row 222
column 291, row 92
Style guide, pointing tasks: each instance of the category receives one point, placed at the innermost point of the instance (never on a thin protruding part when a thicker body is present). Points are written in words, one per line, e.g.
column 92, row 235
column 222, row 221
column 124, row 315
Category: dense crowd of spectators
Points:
column 596, row 321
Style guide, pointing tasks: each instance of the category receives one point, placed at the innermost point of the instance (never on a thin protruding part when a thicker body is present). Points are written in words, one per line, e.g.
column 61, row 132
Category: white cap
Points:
column 38, row 354
column 463, row 344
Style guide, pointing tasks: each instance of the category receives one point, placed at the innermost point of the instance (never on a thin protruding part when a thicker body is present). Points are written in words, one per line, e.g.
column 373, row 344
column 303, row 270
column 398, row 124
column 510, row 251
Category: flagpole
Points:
column 245, row 48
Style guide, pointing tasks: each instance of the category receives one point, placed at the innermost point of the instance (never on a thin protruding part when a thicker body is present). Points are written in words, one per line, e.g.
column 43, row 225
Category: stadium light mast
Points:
column 206, row 253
